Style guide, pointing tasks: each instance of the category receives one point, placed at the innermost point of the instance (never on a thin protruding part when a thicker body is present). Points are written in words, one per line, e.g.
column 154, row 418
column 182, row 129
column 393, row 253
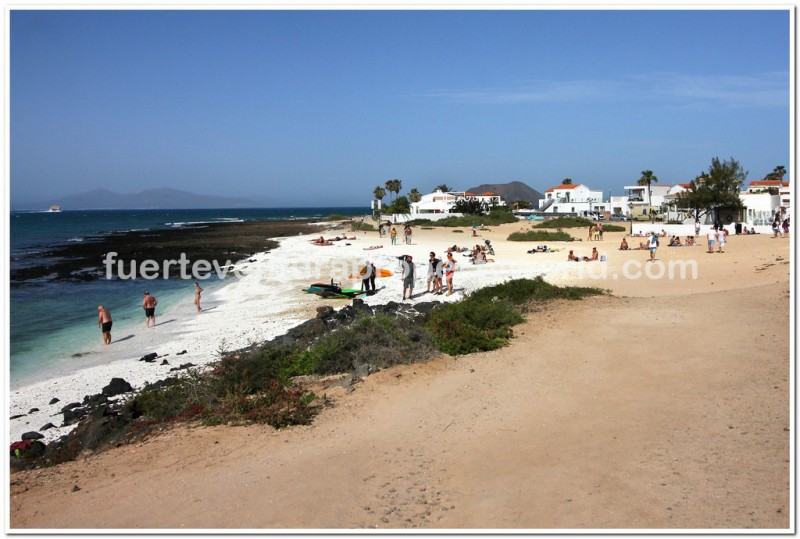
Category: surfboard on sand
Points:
column 379, row 272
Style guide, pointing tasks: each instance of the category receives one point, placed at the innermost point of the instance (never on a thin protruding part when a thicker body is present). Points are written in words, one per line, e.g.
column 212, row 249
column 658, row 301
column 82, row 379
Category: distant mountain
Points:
column 511, row 192
column 155, row 199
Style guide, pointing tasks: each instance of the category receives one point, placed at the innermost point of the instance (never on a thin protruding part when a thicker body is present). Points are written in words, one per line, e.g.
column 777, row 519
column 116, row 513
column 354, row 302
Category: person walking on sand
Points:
column 197, row 291
column 408, row 277
column 149, row 305
column 653, row 245
column 449, row 270
column 721, row 239
column 104, row 323
column 393, row 234
column 696, row 228
column 407, row 232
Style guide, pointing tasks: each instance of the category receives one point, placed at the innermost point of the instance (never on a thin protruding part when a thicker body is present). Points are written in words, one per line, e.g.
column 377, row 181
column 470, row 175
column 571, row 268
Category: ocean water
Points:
column 51, row 321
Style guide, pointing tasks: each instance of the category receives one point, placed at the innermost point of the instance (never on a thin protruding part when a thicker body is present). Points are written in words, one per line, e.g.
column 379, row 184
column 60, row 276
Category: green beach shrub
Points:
column 540, row 235
column 378, row 340
column 482, row 321
column 497, row 216
column 566, row 222
column 366, row 227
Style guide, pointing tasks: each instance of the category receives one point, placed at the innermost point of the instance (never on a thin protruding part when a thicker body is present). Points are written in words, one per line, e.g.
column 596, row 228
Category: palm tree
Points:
column 379, row 193
column 566, row 181
column 443, row 188
column 647, row 179
column 414, row 195
column 394, row 186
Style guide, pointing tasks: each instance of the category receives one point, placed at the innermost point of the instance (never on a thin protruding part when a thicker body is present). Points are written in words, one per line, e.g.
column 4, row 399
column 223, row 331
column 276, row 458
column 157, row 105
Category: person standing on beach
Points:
column 591, row 232
column 449, row 270
column 408, row 233
column 711, row 236
column 433, row 264
column 696, row 228
column 393, row 234
column 368, row 277
column 149, row 305
column 380, row 230
column 653, row 245
column 720, row 239
column 197, row 291
column 104, row 323
column 408, row 277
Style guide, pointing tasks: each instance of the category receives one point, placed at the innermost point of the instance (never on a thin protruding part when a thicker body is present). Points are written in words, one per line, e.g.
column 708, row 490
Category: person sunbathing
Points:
column 624, row 245
column 572, row 258
column 594, row 257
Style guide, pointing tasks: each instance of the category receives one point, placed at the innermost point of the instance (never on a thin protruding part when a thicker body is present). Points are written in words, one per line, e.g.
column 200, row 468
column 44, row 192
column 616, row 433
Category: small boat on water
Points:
column 54, row 208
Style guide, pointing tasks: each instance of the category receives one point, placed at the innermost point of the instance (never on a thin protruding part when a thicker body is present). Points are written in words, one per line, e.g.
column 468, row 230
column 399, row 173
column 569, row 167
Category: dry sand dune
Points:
column 665, row 405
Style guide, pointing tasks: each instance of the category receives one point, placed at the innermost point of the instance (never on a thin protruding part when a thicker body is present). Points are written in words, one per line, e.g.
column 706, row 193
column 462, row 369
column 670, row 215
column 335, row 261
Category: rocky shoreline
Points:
column 223, row 243
column 108, row 418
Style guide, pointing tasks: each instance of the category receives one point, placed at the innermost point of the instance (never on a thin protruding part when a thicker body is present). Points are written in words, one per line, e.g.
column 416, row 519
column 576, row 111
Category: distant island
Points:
column 511, row 191
column 154, row 199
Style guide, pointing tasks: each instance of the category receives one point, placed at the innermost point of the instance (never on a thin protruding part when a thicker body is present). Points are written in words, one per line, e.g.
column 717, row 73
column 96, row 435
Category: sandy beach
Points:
column 665, row 404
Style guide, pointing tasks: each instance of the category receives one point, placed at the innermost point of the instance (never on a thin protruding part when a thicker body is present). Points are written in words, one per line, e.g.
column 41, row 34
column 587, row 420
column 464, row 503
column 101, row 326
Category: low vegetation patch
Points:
column 497, row 216
column 566, row 222
column 362, row 226
column 483, row 320
column 615, row 228
column 255, row 385
column 540, row 235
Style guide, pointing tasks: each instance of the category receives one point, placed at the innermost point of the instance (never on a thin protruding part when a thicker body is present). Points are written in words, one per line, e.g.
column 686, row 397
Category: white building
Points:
column 643, row 199
column 573, row 198
column 443, row 203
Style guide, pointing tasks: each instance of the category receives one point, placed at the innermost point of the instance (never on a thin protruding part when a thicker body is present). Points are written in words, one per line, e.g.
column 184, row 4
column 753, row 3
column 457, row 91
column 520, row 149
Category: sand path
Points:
column 611, row 412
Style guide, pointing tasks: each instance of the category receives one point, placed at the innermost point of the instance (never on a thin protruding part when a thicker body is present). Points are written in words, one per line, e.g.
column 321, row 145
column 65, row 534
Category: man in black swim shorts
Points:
column 149, row 304
column 104, row 322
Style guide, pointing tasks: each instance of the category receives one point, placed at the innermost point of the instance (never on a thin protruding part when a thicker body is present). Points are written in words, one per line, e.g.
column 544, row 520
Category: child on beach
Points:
column 393, row 235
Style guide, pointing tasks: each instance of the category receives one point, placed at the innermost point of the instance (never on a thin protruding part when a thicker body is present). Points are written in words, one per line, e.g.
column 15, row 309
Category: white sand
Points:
column 263, row 300
column 266, row 299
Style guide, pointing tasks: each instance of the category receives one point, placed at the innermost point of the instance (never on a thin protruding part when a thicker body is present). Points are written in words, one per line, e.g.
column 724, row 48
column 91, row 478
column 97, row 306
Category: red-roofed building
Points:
column 574, row 198
column 757, row 186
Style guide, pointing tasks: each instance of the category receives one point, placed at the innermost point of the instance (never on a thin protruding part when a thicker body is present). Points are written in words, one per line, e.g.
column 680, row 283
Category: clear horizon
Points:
column 317, row 108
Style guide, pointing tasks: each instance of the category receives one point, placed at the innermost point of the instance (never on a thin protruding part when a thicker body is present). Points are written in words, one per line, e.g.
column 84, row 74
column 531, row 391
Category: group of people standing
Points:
column 104, row 321
column 717, row 236
column 439, row 273
column 596, row 232
column 407, row 232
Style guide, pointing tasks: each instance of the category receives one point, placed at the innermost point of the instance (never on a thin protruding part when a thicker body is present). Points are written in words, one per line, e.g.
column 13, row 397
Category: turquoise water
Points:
column 50, row 321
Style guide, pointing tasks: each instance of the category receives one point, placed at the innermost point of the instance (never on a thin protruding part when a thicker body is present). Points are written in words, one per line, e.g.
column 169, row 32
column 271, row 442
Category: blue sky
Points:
column 319, row 107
